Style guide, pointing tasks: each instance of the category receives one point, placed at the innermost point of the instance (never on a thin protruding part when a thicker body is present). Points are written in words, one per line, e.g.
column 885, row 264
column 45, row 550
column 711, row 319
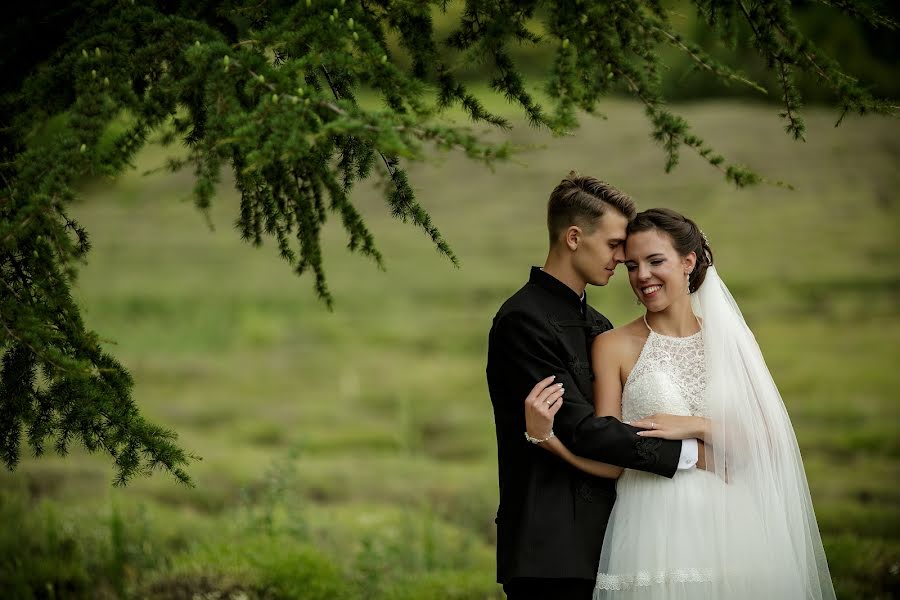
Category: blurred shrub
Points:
column 444, row 585
column 863, row 567
column 42, row 556
column 38, row 559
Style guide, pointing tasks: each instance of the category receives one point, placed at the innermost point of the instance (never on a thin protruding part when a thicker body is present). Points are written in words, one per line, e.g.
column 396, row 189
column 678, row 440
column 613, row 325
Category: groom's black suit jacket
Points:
column 552, row 517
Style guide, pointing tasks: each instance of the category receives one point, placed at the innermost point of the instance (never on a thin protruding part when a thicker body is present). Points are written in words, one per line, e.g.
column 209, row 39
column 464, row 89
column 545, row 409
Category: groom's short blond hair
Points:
column 582, row 200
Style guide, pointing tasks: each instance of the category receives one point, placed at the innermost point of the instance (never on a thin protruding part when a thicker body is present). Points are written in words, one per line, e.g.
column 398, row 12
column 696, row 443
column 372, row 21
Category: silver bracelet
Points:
column 535, row 440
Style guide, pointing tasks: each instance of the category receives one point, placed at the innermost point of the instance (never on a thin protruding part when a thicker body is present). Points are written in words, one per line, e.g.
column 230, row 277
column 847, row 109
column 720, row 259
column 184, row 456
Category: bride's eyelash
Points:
column 655, row 263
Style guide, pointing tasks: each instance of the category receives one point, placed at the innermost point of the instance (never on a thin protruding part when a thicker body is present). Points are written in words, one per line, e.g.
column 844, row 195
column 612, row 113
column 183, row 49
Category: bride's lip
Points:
column 649, row 291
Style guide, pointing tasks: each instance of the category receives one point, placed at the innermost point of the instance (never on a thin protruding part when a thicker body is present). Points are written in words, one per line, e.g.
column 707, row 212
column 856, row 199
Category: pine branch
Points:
column 862, row 12
column 705, row 61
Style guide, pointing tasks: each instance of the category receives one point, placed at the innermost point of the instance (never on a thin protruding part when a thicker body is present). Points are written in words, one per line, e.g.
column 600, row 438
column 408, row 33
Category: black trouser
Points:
column 527, row 588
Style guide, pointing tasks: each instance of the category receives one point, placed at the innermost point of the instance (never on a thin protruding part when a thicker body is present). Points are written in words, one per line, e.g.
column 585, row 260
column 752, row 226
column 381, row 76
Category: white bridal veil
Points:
column 768, row 542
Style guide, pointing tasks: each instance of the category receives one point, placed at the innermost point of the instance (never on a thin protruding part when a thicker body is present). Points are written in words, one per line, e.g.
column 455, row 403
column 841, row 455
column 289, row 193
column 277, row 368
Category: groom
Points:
column 552, row 517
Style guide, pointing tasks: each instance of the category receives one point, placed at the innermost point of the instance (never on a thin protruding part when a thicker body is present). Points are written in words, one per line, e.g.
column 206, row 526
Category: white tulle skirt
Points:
column 661, row 543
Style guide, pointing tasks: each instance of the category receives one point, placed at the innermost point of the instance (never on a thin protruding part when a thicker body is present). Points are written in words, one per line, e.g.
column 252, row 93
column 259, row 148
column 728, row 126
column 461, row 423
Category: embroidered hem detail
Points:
column 606, row 581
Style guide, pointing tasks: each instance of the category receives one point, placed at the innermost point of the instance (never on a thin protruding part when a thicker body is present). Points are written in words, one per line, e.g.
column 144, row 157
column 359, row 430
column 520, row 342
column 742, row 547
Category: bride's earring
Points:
column 687, row 283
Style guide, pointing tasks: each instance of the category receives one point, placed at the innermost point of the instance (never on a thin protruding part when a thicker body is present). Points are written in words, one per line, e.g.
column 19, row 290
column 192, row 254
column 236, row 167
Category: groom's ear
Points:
column 572, row 237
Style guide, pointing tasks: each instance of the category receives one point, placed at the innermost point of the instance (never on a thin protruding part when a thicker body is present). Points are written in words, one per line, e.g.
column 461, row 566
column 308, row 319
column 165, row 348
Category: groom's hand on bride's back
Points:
column 706, row 461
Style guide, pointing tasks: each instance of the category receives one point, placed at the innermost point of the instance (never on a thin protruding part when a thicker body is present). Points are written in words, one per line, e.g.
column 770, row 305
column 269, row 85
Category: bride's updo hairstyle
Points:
column 685, row 235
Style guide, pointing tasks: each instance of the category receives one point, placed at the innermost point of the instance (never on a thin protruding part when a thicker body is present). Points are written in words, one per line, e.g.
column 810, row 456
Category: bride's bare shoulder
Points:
column 623, row 339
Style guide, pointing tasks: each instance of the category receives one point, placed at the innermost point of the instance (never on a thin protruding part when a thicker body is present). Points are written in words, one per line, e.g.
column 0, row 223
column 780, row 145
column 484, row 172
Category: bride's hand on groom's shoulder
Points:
column 673, row 427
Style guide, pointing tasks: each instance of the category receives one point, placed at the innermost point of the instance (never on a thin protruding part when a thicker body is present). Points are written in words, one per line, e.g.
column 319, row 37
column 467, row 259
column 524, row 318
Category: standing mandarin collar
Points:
column 558, row 288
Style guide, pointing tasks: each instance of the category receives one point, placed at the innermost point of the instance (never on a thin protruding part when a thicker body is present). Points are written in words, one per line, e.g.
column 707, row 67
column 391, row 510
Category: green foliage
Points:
column 385, row 398
column 37, row 557
column 866, row 43
column 869, row 567
column 46, row 554
column 444, row 585
column 273, row 566
column 271, row 91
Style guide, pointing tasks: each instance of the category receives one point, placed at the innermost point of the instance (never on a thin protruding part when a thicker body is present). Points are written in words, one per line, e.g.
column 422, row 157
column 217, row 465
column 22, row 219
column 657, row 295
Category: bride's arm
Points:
column 541, row 405
column 606, row 358
column 584, row 464
column 675, row 427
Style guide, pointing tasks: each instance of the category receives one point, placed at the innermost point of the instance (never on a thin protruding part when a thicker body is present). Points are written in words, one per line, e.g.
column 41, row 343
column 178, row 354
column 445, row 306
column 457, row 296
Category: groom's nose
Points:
column 619, row 254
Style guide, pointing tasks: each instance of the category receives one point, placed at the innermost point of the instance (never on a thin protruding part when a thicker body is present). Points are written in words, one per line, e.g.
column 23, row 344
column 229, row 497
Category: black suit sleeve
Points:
column 531, row 355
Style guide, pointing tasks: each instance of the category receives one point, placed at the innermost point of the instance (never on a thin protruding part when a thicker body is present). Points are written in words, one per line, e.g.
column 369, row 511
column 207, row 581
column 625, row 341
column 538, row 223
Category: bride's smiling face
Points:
column 657, row 273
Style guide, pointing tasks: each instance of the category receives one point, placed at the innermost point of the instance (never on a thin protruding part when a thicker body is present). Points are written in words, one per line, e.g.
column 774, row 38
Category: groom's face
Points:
column 600, row 251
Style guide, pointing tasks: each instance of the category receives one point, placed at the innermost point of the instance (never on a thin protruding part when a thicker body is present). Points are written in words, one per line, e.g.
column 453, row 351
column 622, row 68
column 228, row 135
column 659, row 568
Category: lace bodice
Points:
column 668, row 377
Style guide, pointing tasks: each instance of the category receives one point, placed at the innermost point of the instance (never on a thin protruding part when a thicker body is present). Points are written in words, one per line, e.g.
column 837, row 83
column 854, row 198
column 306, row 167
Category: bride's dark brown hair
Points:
column 685, row 235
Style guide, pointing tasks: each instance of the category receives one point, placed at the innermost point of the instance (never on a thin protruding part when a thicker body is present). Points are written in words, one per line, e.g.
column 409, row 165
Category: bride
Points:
column 743, row 527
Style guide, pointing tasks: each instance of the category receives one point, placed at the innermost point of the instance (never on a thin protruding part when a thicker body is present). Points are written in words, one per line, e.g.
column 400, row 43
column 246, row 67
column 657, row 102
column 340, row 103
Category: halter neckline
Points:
column 674, row 337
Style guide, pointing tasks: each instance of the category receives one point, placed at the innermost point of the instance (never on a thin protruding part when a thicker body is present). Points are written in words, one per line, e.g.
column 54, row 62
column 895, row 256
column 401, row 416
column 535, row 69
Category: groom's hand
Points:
column 702, row 462
column 541, row 405
column 706, row 461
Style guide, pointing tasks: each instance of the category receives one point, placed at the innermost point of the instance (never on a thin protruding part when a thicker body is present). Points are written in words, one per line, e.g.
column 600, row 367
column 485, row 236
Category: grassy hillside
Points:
column 353, row 451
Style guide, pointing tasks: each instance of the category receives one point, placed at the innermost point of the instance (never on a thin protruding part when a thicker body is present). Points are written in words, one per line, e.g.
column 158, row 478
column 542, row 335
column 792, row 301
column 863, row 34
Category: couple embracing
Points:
column 655, row 460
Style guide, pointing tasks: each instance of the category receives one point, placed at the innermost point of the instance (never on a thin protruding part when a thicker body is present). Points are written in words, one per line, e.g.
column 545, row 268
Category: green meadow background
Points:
column 351, row 454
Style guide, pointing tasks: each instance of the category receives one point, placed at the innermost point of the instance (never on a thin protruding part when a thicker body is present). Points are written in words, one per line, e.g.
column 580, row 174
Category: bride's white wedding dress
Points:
column 695, row 536
column 660, row 542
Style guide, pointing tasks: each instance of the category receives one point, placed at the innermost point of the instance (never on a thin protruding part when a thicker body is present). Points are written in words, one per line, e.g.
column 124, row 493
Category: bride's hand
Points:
column 541, row 405
column 673, row 427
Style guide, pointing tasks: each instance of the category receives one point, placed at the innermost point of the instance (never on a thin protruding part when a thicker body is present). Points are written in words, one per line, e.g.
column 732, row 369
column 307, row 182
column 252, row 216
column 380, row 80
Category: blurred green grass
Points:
column 353, row 451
